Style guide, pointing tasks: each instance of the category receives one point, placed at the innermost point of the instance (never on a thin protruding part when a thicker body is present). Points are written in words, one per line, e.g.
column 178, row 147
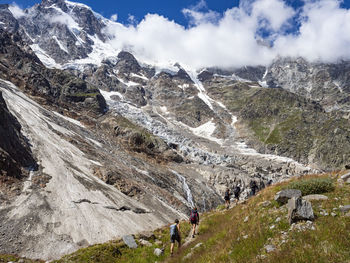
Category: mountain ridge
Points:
column 123, row 146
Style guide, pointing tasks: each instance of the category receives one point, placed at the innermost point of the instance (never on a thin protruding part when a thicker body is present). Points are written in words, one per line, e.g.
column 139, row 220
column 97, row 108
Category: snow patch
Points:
column 138, row 76
column 44, row 57
column 60, row 45
column 206, row 130
column 108, row 94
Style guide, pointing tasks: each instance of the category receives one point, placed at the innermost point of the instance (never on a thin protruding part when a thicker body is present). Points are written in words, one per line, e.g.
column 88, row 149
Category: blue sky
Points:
column 171, row 9
column 250, row 32
column 139, row 8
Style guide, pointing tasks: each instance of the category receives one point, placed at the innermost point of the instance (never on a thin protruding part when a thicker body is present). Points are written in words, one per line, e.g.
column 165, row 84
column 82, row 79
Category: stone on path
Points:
column 299, row 209
column 283, row 196
column 129, row 241
column 158, row 252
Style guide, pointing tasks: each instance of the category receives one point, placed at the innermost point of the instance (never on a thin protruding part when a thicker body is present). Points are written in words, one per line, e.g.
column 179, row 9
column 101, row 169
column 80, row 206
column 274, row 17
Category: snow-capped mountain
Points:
column 118, row 146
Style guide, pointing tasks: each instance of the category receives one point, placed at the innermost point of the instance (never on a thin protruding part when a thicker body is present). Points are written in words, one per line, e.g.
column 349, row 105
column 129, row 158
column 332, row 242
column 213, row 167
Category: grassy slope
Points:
column 222, row 233
column 225, row 237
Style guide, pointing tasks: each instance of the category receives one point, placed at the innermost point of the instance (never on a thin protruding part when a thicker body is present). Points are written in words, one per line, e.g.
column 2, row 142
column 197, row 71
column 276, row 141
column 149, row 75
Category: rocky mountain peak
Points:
column 127, row 63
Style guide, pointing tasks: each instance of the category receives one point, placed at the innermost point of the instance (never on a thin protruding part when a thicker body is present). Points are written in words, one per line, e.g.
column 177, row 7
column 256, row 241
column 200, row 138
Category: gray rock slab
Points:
column 345, row 208
column 315, row 197
column 345, row 177
column 299, row 209
column 129, row 241
column 283, row 196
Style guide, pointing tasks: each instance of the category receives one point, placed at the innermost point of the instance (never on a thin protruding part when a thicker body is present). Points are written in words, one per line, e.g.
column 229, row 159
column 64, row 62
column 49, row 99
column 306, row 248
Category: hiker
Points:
column 227, row 198
column 175, row 235
column 194, row 220
column 237, row 192
column 253, row 187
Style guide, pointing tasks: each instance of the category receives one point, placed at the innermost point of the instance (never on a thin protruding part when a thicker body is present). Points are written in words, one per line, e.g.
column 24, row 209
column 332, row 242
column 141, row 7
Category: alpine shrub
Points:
column 312, row 186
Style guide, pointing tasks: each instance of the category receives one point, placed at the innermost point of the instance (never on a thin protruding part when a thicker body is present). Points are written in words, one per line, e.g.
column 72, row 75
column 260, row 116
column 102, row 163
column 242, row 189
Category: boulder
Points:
column 146, row 243
column 270, row 248
column 345, row 209
column 129, row 241
column 345, row 177
column 315, row 197
column 299, row 209
column 147, row 235
column 283, row 196
column 158, row 252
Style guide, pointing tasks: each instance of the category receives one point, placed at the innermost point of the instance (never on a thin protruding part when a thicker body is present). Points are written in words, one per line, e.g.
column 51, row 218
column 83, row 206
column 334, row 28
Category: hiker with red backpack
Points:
column 194, row 220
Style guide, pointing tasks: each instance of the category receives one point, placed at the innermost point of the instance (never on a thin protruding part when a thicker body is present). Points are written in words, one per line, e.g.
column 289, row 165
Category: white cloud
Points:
column 197, row 16
column 63, row 18
column 114, row 17
column 132, row 20
column 324, row 33
column 234, row 38
column 16, row 11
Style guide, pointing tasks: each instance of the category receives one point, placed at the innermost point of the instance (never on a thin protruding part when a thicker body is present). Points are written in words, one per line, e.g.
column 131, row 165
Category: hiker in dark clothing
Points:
column 194, row 220
column 175, row 235
column 262, row 185
column 227, row 198
column 253, row 187
column 237, row 192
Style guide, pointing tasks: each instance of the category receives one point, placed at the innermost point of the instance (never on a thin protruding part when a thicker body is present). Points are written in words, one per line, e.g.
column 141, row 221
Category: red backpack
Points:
column 194, row 216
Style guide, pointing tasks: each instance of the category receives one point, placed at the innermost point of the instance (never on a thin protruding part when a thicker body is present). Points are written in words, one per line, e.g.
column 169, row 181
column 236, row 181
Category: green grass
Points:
column 313, row 185
column 117, row 251
column 12, row 258
column 83, row 94
column 225, row 237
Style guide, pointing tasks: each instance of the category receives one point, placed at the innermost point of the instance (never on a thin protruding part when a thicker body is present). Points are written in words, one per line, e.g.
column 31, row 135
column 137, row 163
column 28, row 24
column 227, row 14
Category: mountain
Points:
column 113, row 146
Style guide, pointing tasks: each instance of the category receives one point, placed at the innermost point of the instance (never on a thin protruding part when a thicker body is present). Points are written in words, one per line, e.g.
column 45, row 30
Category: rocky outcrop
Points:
column 52, row 87
column 283, row 196
column 328, row 84
column 299, row 209
column 16, row 158
column 63, row 30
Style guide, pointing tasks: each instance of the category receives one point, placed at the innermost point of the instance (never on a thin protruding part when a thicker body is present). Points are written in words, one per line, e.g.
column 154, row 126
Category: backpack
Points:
column 227, row 195
column 173, row 230
column 237, row 190
column 193, row 216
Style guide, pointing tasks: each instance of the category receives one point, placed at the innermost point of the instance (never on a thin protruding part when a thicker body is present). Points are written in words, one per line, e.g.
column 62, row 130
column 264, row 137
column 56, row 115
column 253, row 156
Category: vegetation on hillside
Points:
column 242, row 233
column 286, row 124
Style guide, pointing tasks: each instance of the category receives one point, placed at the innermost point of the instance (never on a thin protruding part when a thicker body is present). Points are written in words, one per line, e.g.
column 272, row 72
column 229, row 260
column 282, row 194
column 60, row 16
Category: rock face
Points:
column 15, row 153
column 327, row 84
column 278, row 121
column 170, row 140
column 299, row 209
column 283, row 196
column 64, row 30
column 54, row 87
